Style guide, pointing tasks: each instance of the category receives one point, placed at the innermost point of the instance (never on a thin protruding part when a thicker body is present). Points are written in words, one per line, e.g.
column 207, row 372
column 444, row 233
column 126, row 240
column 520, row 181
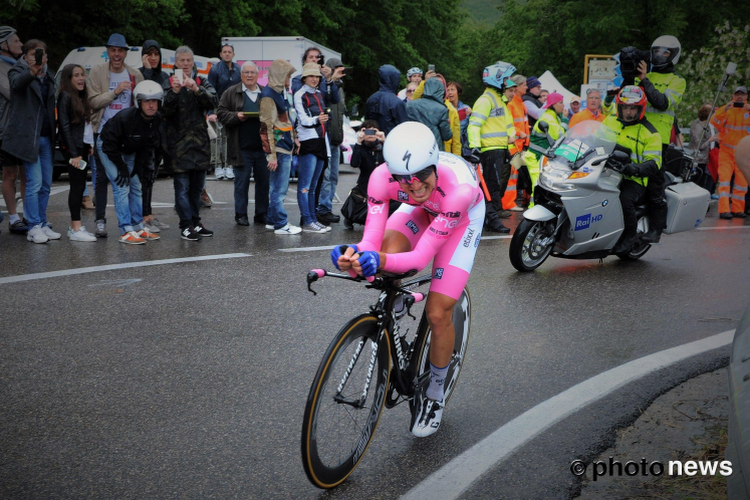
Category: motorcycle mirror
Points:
column 544, row 127
column 620, row 156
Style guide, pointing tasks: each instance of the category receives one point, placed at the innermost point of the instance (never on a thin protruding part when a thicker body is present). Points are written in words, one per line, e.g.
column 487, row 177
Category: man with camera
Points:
column 733, row 123
column 664, row 90
column 328, row 84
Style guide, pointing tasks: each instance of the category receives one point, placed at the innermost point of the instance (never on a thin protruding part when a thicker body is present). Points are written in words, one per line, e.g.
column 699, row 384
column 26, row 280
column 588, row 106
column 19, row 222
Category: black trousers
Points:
column 147, row 189
column 75, row 195
column 657, row 203
column 630, row 194
column 496, row 171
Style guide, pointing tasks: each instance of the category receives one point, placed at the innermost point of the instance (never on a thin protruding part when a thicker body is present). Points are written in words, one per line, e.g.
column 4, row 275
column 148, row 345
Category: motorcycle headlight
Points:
column 554, row 179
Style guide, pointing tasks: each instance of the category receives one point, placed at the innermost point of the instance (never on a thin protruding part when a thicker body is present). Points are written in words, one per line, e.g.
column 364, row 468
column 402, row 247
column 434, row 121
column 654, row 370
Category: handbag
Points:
column 355, row 207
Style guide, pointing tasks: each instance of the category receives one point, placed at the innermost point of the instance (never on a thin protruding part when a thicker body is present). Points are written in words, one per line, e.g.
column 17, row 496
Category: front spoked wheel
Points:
column 531, row 244
column 345, row 402
column 462, row 328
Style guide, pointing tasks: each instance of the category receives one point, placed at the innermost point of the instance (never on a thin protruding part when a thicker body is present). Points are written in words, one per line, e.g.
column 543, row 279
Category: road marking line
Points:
column 112, row 267
column 306, row 249
column 457, row 476
column 721, row 228
column 506, row 237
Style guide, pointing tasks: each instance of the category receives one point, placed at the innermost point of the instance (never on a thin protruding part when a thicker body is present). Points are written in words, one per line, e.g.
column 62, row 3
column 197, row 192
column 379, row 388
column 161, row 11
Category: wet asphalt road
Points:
column 188, row 380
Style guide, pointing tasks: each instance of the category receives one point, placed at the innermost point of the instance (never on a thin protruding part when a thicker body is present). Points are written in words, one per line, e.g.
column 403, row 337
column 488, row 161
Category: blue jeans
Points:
column 279, row 184
column 309, row 170
column 38, row 184
column 188, row 187
column 128, row 199
column 252, row 162
column 330, row 181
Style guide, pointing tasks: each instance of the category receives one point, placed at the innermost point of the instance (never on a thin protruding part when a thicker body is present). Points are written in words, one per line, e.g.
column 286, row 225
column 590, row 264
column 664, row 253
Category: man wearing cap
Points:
column 110, row 87
column 593, row 110
column 330, row 177
column 733, row 123
column 11, row 49
column 531, row 99
column 575, row 107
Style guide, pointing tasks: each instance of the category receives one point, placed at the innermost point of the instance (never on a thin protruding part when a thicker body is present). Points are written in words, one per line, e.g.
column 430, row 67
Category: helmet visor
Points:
column 661, row 56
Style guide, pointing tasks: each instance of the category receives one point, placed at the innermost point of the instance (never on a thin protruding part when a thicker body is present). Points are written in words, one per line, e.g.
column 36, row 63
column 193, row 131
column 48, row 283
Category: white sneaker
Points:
column 36, row 235
column 219, row 173
column 288, row 229
column 269, row 227
column 80, row 235
column 426, row 420
column 517, row 209
column 325, row 228
column 229, row 172
column 313, row 228
column 49, row 233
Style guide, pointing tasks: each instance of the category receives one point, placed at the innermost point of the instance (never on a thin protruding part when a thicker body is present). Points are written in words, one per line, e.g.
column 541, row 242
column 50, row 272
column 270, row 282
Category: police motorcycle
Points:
column 577, row 212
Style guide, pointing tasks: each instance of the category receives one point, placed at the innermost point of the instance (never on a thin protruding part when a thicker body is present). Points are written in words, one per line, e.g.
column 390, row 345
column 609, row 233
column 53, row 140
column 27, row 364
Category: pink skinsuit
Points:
column 446, row 227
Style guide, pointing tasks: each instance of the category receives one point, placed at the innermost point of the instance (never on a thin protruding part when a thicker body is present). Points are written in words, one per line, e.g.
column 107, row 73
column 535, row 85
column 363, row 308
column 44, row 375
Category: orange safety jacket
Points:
column 520, row 122
column 586, row 114
column 732, row 123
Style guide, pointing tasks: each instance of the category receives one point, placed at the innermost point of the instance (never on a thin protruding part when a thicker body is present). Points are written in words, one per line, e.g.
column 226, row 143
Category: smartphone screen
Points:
column 179, row 75
column 38, row 55
column 431, row 67
column 369, row 131
column 739, row 104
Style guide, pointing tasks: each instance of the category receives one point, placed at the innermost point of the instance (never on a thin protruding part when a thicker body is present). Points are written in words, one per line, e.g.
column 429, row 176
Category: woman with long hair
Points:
column 76, row 139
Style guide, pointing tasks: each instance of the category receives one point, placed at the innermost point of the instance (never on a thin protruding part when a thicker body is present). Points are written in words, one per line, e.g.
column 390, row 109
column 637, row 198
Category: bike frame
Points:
column 404, row 365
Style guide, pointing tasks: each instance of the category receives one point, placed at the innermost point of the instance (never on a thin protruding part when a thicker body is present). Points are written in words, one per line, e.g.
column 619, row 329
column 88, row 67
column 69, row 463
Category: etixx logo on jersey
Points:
column 584, row 221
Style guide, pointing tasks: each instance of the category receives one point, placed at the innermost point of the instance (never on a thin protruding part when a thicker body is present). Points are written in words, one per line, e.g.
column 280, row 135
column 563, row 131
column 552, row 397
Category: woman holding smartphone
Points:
column 76, row 139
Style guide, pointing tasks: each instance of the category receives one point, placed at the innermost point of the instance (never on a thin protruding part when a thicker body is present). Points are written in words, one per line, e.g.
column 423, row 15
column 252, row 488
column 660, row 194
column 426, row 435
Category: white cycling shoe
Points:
column 427, row 417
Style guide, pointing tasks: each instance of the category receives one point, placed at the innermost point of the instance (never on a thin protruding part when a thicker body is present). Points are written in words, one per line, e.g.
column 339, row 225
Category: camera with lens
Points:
column 630, row 57
column 321, row 59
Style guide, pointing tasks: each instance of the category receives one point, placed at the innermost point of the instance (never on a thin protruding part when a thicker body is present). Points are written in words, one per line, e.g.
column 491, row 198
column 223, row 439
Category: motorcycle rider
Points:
column 664, row 90
column 641, row 139
column 490, row 132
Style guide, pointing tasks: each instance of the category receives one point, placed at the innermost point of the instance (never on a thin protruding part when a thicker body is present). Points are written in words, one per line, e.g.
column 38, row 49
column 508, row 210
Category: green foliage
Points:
column 703, row 69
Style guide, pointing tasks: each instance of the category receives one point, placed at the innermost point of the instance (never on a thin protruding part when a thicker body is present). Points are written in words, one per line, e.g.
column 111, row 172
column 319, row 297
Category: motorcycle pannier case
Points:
column 688, row 204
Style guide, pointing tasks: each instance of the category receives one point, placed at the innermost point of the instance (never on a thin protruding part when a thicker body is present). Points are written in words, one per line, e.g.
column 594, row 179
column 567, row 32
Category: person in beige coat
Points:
column 110, row 88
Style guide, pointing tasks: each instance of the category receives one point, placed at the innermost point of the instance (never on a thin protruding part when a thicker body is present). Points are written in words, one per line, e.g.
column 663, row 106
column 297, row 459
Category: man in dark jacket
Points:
column 384, row 106
column 32, row 136
column 431, row 111
column 151, row 69
column 329, row 179
column 130, row 142
column 531, row 100
column 239, row 111
column 186, row 103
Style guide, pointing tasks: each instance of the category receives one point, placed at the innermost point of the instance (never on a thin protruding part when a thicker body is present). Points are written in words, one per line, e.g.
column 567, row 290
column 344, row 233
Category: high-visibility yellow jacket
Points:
column 673, row 87
column 491, row 124
column 641, row 138
column 539, row 143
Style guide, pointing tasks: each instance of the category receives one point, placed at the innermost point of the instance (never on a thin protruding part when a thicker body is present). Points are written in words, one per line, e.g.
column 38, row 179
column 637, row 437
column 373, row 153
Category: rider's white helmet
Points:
column 409, row 148
column 148, row 90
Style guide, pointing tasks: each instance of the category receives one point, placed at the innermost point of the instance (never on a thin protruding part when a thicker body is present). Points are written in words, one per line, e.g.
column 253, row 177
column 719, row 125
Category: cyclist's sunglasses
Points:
column 421, row 176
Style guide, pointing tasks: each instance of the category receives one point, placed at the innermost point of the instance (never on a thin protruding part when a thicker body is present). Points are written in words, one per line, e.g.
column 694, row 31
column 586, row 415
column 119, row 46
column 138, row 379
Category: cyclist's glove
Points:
column 338, row 251
column 370, row 261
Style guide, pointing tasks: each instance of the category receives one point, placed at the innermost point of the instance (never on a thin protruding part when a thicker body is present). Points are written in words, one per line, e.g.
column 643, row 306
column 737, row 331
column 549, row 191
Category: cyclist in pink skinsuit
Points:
column 441, row 217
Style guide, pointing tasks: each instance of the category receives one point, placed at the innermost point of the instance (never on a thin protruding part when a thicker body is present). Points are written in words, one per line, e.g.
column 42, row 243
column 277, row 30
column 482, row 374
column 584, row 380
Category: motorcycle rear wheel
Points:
column 531, row 244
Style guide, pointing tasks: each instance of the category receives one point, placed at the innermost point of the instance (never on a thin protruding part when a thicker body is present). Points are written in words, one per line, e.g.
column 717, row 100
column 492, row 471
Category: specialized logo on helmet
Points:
column 406, row 158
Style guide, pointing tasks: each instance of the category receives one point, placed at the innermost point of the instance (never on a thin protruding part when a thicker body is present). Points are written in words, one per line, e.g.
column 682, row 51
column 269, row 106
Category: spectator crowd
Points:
column 120, row 124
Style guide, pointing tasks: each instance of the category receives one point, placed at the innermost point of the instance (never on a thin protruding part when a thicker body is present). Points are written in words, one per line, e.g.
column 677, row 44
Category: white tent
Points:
column 549, row 82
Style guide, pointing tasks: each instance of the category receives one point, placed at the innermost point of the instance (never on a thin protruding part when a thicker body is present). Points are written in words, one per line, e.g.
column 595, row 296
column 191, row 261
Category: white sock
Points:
column 14, row 218
column 437, row 381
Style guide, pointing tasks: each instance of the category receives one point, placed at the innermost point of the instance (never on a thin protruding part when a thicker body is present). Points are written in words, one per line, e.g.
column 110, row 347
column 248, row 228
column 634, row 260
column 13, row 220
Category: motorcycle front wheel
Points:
column 531, row 244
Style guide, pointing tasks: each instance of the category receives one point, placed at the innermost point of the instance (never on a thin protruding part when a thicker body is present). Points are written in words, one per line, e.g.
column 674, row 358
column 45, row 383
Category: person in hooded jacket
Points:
column 454, row 144
column 277, row 135
column 384, row 106
column 430, row 110
column 151, row 57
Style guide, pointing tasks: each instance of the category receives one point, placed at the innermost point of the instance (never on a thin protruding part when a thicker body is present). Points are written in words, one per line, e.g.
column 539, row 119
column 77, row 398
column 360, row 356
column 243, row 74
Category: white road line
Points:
column 455, row 477
column 506, row 237
column 721, row 228
column 306, row 249
column 112, row 267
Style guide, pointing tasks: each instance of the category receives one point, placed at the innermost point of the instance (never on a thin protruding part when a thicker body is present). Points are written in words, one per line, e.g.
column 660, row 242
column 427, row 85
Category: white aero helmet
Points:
column 409, row 148
column 665, row 49
column 148, row 90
